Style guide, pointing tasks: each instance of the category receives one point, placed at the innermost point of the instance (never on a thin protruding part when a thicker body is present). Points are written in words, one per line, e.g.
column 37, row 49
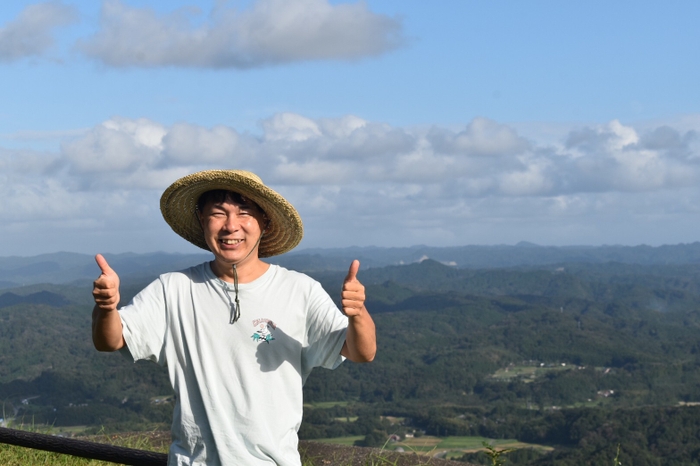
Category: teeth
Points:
column 231, row 241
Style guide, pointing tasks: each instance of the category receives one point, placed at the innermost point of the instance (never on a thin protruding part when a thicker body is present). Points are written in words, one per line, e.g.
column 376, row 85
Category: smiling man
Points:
column 239, row 336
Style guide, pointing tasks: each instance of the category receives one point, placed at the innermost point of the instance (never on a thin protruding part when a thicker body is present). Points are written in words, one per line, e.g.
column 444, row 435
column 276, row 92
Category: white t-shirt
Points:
column 238, row 386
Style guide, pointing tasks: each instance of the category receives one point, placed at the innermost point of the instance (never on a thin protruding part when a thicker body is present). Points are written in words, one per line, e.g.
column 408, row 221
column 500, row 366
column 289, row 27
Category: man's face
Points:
column 232, row 229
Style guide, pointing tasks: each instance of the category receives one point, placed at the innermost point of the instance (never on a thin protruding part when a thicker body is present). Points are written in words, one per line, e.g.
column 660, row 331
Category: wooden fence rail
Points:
column 82, row 448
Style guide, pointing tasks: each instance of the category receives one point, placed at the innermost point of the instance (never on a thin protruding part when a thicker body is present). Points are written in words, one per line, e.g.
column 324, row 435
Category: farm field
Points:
column 446, row 447
column 454, row 447
column 349, row 440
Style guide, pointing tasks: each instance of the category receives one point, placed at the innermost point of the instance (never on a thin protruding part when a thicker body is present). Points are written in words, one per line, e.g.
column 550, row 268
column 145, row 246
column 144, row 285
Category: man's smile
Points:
column 231, row 241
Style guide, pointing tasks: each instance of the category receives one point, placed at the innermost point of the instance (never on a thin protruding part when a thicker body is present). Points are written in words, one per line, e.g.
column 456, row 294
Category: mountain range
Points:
column 65, row 267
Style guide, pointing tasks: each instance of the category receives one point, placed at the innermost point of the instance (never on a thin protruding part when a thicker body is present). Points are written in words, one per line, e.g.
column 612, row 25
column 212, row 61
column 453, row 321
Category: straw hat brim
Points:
column 178, row 206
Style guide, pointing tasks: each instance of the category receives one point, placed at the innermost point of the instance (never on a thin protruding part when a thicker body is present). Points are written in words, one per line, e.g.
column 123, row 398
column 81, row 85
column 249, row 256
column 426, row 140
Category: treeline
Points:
column 649, row 436
column 448, row 347
column 121, row 398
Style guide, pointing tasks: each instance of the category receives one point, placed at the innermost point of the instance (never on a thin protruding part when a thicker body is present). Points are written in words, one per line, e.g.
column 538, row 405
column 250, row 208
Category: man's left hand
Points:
column 353, row 294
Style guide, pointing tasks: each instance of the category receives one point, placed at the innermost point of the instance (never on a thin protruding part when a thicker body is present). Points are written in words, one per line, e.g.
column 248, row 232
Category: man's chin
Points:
column 234, row 257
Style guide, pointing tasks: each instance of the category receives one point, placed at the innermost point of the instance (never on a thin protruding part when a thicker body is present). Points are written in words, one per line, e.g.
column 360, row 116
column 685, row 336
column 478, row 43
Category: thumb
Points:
column 352, row 273
column 103, row 265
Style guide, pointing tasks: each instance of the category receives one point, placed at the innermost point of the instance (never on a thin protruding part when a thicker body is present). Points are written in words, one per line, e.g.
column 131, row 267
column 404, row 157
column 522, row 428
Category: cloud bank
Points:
column 361, row 182
column 270, row 32
column 31, row 33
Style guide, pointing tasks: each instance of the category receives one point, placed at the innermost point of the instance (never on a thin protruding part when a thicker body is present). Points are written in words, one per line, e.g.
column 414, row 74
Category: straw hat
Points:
column 178, row 206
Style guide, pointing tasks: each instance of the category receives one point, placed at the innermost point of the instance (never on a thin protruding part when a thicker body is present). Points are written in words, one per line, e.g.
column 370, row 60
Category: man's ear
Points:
column 267, row 222
column 200, row 217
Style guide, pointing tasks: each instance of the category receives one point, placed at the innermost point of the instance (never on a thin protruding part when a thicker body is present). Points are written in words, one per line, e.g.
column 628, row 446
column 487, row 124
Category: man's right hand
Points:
column 106, row 324
column 105, row 289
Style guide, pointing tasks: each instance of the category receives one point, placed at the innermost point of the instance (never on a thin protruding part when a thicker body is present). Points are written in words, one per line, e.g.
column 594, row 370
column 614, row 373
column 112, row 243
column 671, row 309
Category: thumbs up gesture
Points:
column 105, row 289
column 361, row 338
column 353, row 293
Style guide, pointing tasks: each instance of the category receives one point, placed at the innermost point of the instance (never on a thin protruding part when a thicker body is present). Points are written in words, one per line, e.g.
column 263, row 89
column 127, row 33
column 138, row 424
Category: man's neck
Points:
column 248, row 271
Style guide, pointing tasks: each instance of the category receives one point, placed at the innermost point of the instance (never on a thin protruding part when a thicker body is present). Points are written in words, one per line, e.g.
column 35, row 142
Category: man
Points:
column 238, row 336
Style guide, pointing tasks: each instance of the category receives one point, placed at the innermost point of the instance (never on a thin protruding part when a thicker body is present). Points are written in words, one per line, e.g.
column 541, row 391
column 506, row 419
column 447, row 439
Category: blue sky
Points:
column 389, row 123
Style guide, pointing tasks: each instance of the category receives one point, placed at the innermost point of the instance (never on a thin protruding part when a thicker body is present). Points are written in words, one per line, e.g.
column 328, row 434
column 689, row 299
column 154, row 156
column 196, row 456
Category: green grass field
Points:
column 528, row 373
column 341, row 440
column 326, row 404
column 452, row 446
column 11, row 455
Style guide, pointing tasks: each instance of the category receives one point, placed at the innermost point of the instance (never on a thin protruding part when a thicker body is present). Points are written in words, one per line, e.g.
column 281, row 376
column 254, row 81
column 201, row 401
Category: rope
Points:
column 82, row 448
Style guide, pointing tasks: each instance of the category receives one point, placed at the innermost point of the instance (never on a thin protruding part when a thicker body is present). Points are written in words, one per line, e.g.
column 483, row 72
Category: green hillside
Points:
column 445, row 336
column 579, row 357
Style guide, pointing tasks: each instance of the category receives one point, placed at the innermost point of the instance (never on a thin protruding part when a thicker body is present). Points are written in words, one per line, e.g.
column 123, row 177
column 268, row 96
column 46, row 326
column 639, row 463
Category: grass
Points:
column 348, row 441
column 11, row 455
column 346, row 419
column 430, row 443
column 448, row 447
column 426, row 446
column 456, row 447
column 321, row 454
column 528, row 372
column 472, row 443
column 326, row 404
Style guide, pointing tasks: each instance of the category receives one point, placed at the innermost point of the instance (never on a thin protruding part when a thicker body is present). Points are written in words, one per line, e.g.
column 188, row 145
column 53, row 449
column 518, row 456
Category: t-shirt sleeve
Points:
column 144, row 322
column 326, row 330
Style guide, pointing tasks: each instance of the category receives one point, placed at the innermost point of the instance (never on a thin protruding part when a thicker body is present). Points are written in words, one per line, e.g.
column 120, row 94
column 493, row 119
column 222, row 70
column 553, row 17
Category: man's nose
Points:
column 232, row 223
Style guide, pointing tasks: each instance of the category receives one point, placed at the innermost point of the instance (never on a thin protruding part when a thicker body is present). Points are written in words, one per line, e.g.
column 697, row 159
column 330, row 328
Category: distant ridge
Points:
column 42, row 297
column 477, row 257
column 527, row 244
column 63, row 267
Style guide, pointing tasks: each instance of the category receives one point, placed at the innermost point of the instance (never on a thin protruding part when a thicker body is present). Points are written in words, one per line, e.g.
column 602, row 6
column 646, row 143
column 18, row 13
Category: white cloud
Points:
column 297, row 150
column 342, row 127
column 116, row 146
column 370, row 177
column 614, row 157
column 20, row 163
column 270, row 32
column 531, row 181
column 31, row 33
column 294, row 149
column 481, row 137
column 317, row 172
column 184, row 143
column 290, row 127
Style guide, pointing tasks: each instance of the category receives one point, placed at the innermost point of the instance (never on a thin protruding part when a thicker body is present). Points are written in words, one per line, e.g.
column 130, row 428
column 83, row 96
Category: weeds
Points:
column 495, row 455
column 322, row 454
column 616, row 461
column 11, row 455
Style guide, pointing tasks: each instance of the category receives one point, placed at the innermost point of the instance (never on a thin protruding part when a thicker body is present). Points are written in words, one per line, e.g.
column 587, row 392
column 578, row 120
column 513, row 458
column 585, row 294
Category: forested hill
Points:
column 579, row 356
column 70, row 267
column 452, row 329
column 437, row 320
column 648, row 287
